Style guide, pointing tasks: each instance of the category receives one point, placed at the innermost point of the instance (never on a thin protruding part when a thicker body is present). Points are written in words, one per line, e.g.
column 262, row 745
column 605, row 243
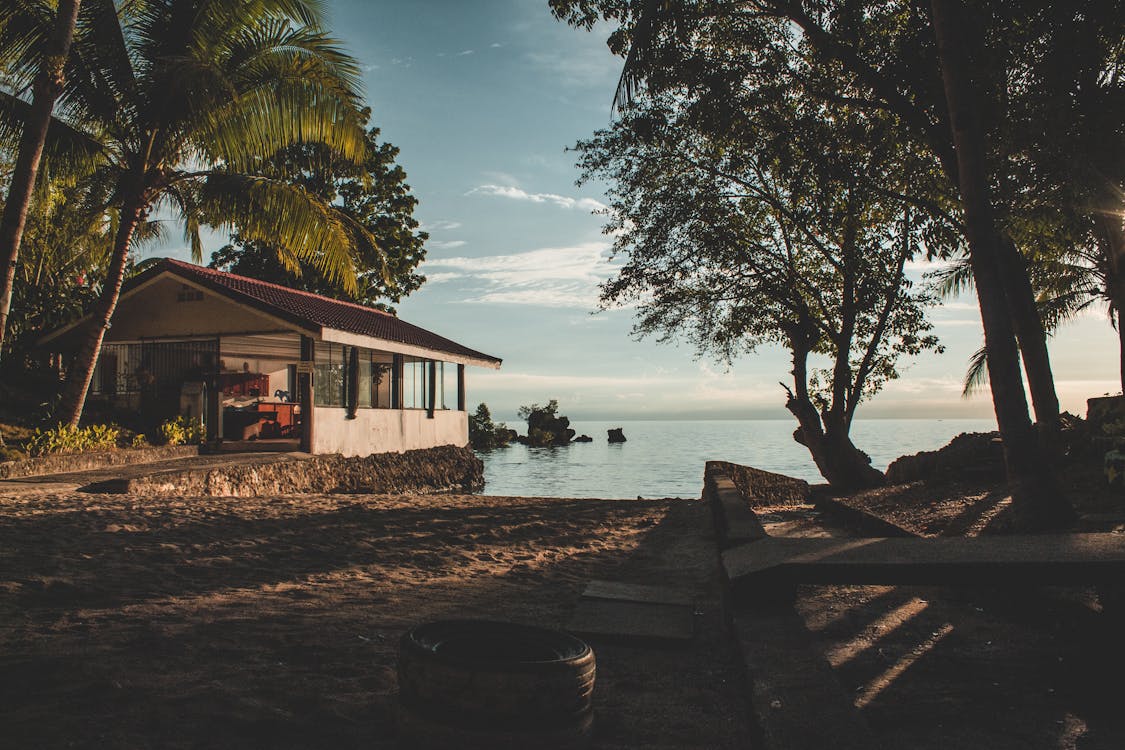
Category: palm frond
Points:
column 25, row 27
column 254, row 127
column 953, row 279
column 280, row 215
column 67, row 147
column 976, row 376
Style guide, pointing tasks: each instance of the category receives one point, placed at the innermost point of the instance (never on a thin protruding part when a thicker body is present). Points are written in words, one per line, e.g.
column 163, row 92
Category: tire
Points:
column 477, row 683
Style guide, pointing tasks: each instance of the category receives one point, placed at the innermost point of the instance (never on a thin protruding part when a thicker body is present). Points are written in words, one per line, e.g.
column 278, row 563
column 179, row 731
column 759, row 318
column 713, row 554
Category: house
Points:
column 264, row 363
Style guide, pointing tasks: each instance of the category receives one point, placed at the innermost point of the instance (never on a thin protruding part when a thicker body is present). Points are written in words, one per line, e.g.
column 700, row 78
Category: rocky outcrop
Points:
column 433, row 470
column 62, row 464
column 583, row 439
column 616, row 435
column 972, row 455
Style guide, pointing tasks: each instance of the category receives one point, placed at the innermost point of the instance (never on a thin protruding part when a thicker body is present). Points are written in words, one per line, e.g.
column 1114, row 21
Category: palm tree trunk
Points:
column 1112, row 244
column 1032, row 339
column 48, row 86
column 1036, row 497
column 81, row 371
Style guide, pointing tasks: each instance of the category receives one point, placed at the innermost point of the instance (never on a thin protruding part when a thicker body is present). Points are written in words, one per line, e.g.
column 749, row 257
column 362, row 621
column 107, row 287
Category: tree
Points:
column 883, row 58
column 48, row 85
column 178, row 104
column 736, row 237
column 375, row 195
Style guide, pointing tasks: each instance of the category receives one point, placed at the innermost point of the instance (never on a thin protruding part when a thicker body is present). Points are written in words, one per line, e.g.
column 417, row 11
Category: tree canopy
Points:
column 374, row 194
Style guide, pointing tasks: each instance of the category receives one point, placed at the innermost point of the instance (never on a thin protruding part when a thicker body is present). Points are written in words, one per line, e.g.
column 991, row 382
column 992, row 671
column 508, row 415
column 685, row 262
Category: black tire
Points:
column 477, row 683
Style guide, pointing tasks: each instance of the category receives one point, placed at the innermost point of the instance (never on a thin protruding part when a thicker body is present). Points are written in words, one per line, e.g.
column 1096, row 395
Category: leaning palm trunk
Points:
column 1032, row 337
column 1036, row 496
column 81, row 371
column 1113, row 241
column 48, row 86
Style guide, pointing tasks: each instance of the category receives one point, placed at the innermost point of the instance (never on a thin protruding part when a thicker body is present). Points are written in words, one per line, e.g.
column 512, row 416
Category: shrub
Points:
column 484, row 435
column 67, row 439
column 182, row 431
column 139, row 441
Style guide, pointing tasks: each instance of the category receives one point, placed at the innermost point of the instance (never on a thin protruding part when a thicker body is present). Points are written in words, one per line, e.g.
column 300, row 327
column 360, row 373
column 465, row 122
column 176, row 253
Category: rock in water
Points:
column 616, row 435
column 583, row 439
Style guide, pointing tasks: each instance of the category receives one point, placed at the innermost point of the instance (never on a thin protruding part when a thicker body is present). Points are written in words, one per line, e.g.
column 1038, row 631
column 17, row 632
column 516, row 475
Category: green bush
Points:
column 67, row 439
column 139, row 441
column 181, row 431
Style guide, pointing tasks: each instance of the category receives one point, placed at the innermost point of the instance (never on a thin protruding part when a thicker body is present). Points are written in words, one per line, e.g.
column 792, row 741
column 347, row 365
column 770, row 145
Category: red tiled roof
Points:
column 307, row 309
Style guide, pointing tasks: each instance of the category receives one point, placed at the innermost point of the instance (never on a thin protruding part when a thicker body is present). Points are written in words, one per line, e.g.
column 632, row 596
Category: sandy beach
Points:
column 128, row 622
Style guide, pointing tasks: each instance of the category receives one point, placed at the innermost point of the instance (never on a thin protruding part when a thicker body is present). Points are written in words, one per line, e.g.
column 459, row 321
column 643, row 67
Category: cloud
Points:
column 519, row 194
column 589, row 67
column 444, row 244
column 440, row 225
column 464, row 52
column 548, row 277
column 496, row 45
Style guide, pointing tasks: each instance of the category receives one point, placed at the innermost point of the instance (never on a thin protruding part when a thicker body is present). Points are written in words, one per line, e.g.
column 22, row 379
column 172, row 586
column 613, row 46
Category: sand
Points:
column 128, row 622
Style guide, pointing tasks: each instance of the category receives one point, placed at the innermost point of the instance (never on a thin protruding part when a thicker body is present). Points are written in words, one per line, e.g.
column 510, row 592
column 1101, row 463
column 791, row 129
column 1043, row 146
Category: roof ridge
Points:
column 228, row 274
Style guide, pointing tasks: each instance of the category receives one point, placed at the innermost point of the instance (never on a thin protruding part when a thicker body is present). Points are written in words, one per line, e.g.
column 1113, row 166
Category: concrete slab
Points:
column 643, row 622
column 635, row 592
column 797, row 699
column 993, row 560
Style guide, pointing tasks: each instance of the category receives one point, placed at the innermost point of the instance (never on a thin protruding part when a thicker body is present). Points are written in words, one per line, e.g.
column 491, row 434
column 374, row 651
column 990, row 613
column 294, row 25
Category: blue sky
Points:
column 483, row 98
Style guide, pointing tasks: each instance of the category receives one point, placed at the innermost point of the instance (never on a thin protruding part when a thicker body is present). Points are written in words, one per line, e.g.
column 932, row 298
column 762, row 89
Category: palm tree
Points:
column 46, row 89
column 179, row 103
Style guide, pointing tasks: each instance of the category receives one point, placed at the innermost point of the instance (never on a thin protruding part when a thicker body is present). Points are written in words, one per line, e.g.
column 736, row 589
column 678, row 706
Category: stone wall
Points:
column 443, row 469
column 763, row 487
column 61, row 464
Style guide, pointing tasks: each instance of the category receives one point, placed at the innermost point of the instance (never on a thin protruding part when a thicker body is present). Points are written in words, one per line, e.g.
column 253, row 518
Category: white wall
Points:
column 386, row 430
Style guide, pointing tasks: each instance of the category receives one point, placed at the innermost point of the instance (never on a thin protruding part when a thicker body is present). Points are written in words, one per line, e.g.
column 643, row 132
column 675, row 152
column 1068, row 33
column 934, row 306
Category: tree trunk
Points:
column 1113, row 244
column 48, row 86
column 81, row 370
column 1036, row 497
column 845, row 467
column 1032, row 343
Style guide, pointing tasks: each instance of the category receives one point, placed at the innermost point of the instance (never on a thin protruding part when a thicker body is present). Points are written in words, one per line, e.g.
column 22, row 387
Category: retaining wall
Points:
column 62, row 464
column 432, row 470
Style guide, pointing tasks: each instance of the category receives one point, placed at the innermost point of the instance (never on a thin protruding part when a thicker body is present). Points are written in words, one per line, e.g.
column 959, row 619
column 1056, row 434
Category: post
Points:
column 396, row 381
column 431, row 395
column 461, row 388
column 305, row 391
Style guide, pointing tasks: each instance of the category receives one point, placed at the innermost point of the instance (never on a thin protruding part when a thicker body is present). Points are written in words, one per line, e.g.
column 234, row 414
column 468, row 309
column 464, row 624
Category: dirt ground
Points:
column 128, row 622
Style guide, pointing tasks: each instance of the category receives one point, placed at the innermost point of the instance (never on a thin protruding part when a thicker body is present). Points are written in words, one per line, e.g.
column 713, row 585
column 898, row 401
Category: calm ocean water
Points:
column 666, row 458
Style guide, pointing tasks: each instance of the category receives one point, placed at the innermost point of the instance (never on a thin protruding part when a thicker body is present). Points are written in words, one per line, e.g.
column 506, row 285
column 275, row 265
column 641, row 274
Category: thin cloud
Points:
column 440, row 225
column 546, row 277
column 445, row 244
column 519, row 194
column 464, row 52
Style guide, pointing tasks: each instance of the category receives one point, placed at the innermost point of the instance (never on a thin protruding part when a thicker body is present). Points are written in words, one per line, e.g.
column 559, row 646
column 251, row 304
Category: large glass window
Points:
column 375, row 372
column 328, row 376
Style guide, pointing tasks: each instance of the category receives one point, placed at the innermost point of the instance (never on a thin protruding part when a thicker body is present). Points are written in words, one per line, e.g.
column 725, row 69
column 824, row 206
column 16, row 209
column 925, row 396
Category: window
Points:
column 328, row 375
column 375, row 372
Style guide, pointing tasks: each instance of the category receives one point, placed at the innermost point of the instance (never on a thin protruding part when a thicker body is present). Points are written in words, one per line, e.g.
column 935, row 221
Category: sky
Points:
column 484, row 98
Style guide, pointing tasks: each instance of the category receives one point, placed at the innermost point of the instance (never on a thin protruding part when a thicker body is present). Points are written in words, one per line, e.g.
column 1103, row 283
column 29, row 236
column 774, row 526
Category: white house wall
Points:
column 386, row 430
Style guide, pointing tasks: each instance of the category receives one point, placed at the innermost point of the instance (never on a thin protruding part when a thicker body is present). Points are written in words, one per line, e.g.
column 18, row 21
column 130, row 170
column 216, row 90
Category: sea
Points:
column 667, row 458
